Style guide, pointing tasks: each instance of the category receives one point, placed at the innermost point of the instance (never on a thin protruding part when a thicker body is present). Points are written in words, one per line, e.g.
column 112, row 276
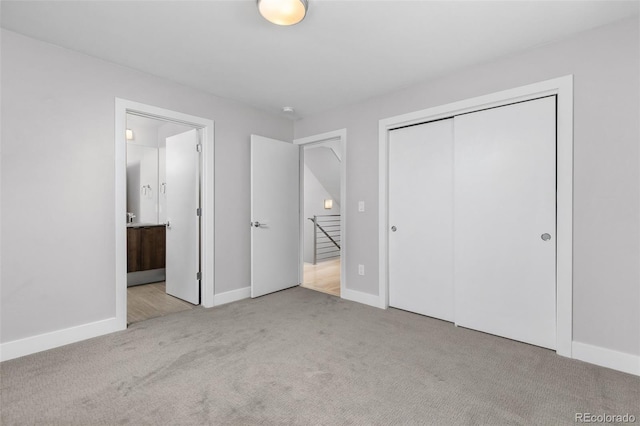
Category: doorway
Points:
column 322, row 222
column 162, row 182
column 149, row 214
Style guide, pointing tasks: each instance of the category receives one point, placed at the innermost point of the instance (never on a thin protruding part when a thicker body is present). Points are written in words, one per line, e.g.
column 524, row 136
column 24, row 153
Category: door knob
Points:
column 257, row 224
column 394, row 229
column 545, row 237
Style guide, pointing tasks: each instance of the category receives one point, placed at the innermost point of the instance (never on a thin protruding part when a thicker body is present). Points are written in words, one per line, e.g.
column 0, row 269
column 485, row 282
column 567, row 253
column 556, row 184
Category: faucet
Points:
column 130, row 217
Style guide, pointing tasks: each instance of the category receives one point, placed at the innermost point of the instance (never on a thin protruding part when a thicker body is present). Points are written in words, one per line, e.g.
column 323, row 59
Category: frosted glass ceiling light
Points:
column 283, row 12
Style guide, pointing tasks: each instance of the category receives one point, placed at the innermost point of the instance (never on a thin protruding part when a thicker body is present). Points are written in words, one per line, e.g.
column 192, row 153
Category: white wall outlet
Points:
column 360, row 206
column 360, row 269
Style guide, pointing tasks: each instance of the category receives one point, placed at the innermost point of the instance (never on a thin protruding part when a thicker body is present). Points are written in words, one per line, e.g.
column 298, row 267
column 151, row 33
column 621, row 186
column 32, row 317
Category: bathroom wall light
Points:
column 328, row 204
column 283, row 12
column 129, row 134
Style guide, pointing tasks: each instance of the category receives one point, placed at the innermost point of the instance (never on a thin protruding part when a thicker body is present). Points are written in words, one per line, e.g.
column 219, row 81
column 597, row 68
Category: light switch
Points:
column 360, row 206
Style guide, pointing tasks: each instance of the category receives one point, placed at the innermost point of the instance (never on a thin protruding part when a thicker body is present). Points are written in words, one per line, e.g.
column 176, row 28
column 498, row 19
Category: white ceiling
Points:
column 342, row 53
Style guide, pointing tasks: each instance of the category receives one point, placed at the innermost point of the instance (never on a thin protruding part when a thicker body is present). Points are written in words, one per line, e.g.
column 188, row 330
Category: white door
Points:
column 505, row 213
column 183, row 223
column 421, row 219
column 275, row 231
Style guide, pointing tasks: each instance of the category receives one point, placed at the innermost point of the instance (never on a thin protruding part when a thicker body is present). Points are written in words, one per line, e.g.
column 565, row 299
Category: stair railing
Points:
column 326, row 236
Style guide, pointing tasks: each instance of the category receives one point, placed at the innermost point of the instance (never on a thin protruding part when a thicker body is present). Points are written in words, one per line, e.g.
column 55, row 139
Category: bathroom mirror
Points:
column 142, row 184
column 146, row 168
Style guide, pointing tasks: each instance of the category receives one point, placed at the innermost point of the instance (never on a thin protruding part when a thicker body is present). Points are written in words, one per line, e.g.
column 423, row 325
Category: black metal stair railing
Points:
column 326, row 237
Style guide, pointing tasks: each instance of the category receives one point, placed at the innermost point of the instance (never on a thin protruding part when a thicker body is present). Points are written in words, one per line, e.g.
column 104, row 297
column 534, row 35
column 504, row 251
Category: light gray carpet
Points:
column 302, row 357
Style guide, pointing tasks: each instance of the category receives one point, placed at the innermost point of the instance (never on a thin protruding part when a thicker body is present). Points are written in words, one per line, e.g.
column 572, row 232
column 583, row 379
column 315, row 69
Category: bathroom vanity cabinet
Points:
column 146, row 247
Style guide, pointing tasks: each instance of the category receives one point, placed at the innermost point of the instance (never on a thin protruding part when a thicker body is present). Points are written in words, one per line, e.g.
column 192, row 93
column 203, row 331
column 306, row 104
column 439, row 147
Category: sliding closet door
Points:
column 505, row 214
column 420, row 219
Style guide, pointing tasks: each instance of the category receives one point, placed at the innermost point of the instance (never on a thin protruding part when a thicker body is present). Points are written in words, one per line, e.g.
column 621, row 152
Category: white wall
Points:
column 606, row 67
column 324, row 163
column 58, row 248
column 145, row 130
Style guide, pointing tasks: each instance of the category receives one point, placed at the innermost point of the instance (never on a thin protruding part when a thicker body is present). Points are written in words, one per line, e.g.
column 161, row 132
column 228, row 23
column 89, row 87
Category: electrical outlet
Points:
column 360, row 206
column 360, row 269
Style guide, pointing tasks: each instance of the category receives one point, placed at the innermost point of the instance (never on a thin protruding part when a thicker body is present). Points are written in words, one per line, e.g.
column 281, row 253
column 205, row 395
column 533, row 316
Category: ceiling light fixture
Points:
column 283, row 12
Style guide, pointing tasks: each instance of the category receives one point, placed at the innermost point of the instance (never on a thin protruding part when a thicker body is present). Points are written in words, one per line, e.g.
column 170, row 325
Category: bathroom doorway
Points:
column 164, row 261
column 149, row 198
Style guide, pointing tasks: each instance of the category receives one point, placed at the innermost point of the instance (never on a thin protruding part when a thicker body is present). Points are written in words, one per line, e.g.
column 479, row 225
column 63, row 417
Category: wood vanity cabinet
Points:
column 153, row 247
column 146, row 248
column 133, row 249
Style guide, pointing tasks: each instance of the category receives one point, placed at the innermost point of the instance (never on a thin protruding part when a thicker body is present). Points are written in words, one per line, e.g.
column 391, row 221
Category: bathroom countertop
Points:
column 143, row 225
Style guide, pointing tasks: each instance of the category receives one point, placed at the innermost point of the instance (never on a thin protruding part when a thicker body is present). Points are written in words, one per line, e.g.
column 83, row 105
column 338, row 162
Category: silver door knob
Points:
column 257, row 224
column 394, row 229
column 545, row 237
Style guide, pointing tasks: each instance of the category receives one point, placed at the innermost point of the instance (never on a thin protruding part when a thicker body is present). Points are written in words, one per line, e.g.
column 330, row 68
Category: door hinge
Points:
column 198, row 275
column 199, row 147
column 198, row 211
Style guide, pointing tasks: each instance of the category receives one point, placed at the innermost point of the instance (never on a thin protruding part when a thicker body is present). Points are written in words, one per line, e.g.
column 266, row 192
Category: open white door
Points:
column 183, row 222
column 275, row 231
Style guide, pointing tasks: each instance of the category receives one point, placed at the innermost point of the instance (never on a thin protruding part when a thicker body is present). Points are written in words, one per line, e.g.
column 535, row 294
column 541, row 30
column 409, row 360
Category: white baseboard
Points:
column 231, row 296
column 360, row 297
column 609, row 358
column 54, row 339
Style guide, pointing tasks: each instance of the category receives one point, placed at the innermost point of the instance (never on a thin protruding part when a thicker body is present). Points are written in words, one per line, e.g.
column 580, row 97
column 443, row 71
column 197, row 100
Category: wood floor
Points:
column 151, row 301
column 324, row 276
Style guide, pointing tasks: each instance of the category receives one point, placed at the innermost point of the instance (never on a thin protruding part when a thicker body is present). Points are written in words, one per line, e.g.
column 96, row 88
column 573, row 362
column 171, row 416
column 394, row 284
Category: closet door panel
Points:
column 420, row 219
column 505, row 214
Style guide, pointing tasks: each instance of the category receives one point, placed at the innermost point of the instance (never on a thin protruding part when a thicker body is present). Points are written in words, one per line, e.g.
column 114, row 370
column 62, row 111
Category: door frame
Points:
column 561, row 87
column 340, row 135
column 206, row 131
